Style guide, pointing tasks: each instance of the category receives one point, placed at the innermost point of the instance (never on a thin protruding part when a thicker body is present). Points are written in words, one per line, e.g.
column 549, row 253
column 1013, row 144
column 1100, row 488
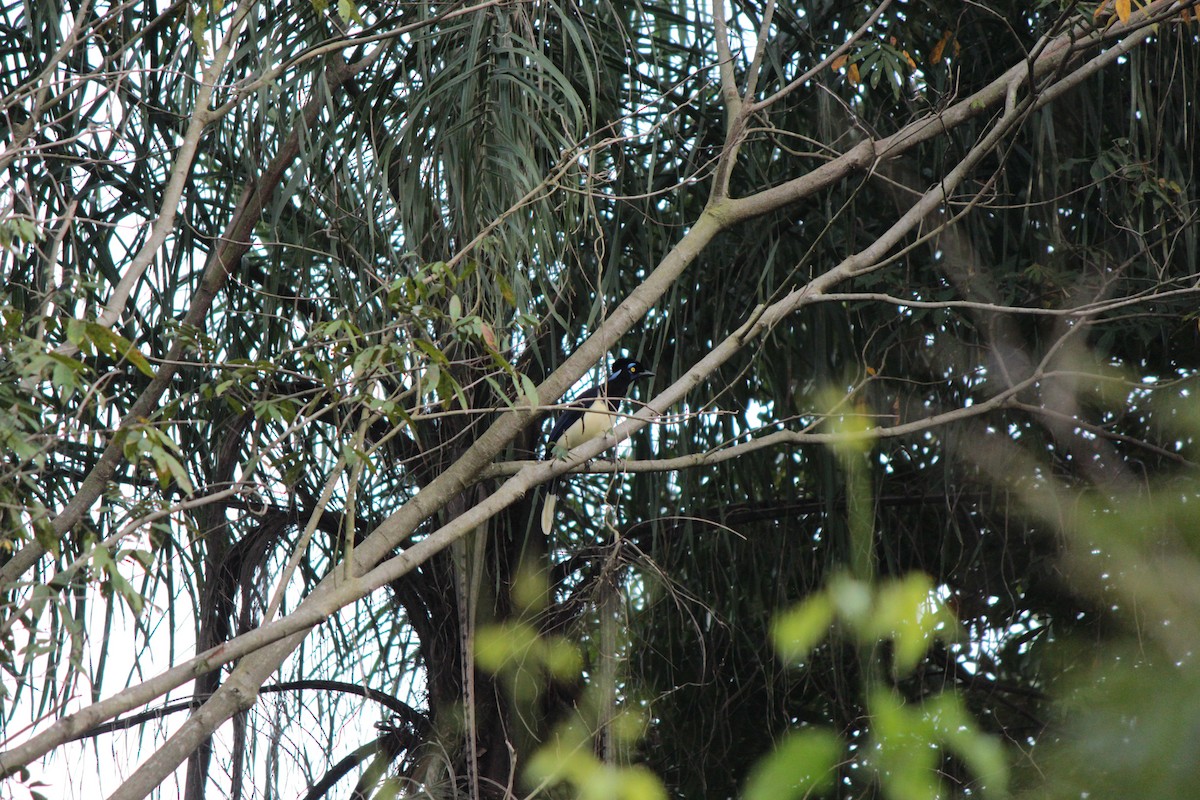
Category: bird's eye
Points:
column 632, row 368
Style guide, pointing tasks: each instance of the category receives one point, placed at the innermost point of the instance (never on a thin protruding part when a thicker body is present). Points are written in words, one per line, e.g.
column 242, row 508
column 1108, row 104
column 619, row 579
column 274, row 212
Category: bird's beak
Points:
column 646, row 374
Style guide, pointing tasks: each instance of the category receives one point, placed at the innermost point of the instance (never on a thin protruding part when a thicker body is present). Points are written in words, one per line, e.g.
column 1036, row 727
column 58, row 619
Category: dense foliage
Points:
column 288, row 288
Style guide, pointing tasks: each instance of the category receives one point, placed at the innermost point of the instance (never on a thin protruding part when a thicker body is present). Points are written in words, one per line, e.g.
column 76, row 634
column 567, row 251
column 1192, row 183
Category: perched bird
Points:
column 589, row 417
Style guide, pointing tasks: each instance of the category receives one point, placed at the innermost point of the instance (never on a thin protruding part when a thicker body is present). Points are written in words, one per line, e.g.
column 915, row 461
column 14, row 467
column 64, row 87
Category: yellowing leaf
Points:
column 852, row 74
column 199, row 26
column 938, row 49
column 488, row 335
column 506, row 290
column 839, row 62
column 1100, row 9
column 348, row 11
column 1124, row 9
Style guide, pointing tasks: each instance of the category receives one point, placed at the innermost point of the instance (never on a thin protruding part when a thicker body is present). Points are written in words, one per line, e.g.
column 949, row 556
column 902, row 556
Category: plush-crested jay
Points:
column 589, row 417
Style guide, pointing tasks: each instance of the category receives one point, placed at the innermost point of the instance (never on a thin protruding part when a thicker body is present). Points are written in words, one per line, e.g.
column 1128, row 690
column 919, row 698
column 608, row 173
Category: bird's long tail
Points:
column 549, row 505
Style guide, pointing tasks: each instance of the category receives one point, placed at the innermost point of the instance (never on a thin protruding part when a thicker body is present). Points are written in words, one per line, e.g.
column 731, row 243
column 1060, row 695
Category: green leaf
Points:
column 103, row 562
column 908, row 612
column 76, row 332
column 497, row 646
column 983, row 754
column 432, row 378
column 41, row 595
column 65, row 377
column 46, row 536
column 118, row 347
column 430, row 349
column 567, row 753
column 634, row 782
column 803, row 763
column 126, row 592
column 28, row 231
column 499, row 391
column 798, row 631
column 529, row 390
column 852, row 600
column 170, row 469
column 561, row 659
column 459, row 394
column 906, row 753
column 568, row 758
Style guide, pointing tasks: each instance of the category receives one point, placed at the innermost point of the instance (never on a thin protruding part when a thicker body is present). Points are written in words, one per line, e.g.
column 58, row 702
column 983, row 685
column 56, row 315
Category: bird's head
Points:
column 629, row 369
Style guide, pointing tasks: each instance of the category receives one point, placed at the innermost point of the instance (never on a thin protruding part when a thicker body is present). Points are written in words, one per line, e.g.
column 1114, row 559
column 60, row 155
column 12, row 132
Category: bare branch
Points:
column 180, row 171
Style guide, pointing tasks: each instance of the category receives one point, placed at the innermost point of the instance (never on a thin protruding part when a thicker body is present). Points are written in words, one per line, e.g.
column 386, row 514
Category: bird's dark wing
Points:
column 569, row 416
